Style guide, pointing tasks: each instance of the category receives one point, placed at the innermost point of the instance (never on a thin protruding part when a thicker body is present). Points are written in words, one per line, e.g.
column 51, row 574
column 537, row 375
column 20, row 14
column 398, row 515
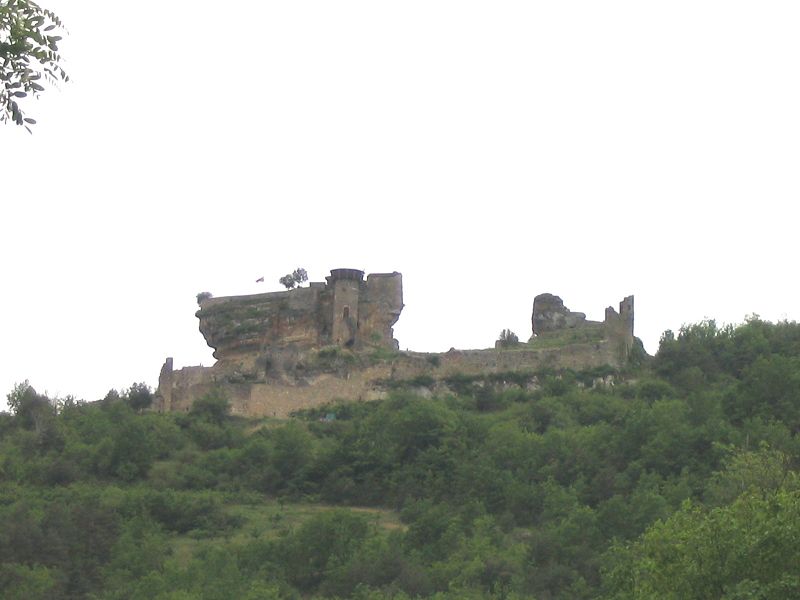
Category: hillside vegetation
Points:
column 676, row 481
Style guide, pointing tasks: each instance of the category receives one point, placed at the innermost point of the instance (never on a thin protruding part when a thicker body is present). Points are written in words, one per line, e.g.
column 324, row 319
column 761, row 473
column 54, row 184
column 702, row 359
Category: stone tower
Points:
column 620, row 325
column 346, row 287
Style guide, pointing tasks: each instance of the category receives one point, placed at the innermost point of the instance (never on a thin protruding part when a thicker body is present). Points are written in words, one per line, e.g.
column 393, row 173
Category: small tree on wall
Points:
column 508, row 338
column 295, row 278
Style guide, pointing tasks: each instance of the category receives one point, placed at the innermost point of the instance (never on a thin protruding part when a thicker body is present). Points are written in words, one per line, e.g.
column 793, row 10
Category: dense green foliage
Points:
column 679, row 481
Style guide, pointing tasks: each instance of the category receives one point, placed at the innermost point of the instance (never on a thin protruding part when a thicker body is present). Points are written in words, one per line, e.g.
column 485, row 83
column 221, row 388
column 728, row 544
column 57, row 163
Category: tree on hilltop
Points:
column 34, row 411
column 28, row 54
column 139, row 397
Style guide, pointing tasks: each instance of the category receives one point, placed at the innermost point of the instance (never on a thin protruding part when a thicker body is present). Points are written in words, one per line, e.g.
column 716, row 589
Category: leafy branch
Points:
column 28, row 56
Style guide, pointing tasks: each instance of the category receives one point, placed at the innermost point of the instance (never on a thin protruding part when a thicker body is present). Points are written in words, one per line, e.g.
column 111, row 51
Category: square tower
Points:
column 346, row 286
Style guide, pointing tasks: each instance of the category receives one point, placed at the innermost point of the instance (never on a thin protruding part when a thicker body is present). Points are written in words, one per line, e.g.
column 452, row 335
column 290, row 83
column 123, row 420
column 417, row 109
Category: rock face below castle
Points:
column 345, row 311
column 283, row 351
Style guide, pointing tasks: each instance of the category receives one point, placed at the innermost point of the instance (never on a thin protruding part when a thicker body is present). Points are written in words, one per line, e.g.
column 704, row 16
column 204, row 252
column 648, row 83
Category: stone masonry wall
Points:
column 278, row 353
column 362, row 383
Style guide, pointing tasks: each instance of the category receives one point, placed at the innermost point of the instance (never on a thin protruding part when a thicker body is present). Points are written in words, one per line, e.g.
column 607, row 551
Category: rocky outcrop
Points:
column 554, row 324
column 344, row 311
column 550, row 314
column 238, row 325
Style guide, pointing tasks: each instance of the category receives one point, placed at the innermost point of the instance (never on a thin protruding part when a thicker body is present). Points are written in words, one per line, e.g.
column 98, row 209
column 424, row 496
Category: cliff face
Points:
column 550, row 314
column 238, row 325
column 283, row 351
column 345, row 311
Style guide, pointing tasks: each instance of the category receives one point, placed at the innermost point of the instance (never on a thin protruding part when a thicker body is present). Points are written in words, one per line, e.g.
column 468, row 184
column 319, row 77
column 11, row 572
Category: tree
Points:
column 139, row 397
column 747, row 549
column 28, row 54
column 296, row 277
column 17, row 397
column 300, row 275
column 23, row 582
column 326, row 540
column 212, row 408
column 508, row 338
column 762, row 472
column 34, row 411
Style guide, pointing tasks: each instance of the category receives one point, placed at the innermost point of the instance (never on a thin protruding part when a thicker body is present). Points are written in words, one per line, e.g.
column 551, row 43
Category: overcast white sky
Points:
column 489, row 151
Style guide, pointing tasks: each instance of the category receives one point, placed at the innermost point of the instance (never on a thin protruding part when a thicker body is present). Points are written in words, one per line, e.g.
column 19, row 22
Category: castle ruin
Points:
column 283, row 351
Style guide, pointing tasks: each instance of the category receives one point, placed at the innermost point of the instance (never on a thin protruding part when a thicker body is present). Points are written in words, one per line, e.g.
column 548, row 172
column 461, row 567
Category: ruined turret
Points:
column 619, row 326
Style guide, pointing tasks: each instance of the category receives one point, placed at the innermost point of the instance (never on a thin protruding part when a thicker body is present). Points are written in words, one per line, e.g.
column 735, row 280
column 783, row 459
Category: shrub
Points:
column 213, row 408
column 434, row 360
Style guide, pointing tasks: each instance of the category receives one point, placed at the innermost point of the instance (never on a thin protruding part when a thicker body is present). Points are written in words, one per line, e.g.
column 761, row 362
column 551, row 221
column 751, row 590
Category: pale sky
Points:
column 489, row 151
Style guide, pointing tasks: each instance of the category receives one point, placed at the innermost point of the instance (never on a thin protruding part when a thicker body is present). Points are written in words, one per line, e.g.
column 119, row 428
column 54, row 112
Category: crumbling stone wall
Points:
column 283, row 351
column 551, row 320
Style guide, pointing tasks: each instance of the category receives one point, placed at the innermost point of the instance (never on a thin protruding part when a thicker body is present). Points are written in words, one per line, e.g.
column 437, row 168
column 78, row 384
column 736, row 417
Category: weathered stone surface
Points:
column 284, row 351
column 550, row 314
column 345, row 311
column 238, row 325
column 552, row 322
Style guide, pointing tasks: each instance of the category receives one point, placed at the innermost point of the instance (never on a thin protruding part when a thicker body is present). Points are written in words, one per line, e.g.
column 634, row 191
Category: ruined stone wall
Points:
column 276, row 399
column 286, row 351
column 619, row 326
column 364, row 382
column 380, row 308
column 574, row 356
column 554, row 322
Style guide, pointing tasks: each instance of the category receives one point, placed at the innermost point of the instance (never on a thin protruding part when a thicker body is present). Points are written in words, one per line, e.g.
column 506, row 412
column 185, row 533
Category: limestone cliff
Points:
column 346, row 310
